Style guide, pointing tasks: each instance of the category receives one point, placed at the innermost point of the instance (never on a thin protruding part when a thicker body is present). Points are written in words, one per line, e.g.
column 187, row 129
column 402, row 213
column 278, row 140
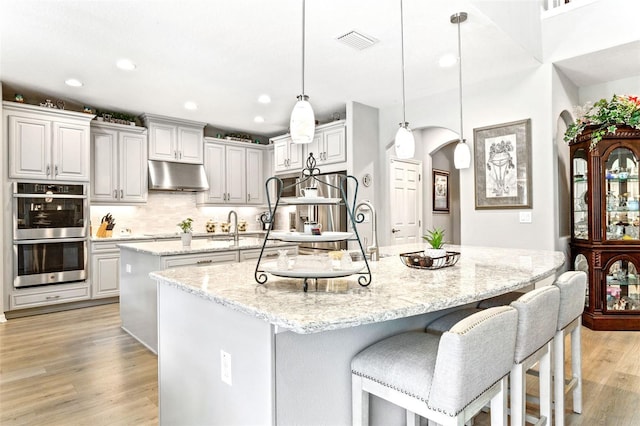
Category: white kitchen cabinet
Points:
column 226, row 172
column 35, row 297
column 47, row 143
column 176, row 140
column 105, row 268
column 255, row 176
column 269, row 252
column 288, row 156
column 119, row 164
column 329, row 144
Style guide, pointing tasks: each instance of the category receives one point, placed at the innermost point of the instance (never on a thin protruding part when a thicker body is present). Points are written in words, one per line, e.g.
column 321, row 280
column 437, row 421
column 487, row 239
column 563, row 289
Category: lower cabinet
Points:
column 51, row 295
column 105, row 268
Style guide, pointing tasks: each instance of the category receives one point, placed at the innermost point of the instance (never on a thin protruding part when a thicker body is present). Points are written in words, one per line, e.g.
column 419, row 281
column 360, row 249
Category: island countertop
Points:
column 175, row 247
column 396, row 291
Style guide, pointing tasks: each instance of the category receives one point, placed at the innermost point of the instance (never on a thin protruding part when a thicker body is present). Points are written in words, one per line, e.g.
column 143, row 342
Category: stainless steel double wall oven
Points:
column 50, row 233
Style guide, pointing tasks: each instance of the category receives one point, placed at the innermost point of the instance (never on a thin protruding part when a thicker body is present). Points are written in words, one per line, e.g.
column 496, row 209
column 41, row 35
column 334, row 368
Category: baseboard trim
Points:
column 58, row 308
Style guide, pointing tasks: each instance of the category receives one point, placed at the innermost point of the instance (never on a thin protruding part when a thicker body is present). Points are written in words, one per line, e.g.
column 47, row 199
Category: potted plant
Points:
column 435, row 240
column 187, row 229
column 605, row 117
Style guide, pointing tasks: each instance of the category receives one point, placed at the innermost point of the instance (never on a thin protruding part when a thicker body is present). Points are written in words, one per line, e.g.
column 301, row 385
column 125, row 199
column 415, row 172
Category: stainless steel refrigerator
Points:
column 332, row 217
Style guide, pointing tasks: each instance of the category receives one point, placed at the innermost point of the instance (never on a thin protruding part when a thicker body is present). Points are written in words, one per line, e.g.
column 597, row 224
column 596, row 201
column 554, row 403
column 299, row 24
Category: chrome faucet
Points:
column 236, row 236
column 373, row 249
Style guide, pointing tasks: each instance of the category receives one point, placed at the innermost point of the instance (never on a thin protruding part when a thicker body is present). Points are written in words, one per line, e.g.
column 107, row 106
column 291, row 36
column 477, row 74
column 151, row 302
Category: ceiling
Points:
column 223, row 54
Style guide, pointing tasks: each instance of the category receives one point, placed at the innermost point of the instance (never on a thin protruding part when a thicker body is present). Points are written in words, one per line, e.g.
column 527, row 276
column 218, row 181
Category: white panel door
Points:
column 29, row 148
column 104, row 170
column 316, row 147
column 281, row 155
column 335, row 146
column 405, row 195
column 133, row 168
column 255, row 176
column 162, row 142
column 236, row 175
column 71, row 155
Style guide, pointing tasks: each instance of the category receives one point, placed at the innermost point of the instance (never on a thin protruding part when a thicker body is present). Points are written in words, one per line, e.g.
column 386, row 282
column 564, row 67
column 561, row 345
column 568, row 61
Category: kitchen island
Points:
column 138, row 294
column 234, row 352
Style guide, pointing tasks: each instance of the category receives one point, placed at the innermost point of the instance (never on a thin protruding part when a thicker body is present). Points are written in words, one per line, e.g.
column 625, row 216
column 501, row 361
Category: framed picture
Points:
column 503, row 165
column 440, row 191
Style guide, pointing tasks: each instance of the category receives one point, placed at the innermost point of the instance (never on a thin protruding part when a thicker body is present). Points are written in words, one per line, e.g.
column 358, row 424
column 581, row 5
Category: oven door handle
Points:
column 81, row 197
column 50, row 241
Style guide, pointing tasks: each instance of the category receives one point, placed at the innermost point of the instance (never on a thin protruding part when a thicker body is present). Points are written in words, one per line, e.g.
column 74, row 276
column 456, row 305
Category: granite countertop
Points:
column 396, row 291
column 169, row 235
column 173, row 247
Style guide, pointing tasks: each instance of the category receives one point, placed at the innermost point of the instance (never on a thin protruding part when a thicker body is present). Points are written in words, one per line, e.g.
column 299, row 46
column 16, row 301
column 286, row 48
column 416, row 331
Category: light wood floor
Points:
column 79, row 368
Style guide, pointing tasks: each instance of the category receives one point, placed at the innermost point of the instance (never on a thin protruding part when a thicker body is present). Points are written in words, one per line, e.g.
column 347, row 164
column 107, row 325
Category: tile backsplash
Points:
column 165, row 209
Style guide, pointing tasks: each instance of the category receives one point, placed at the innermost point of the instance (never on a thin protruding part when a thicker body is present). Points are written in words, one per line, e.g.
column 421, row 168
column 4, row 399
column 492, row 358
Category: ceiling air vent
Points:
column 357, row 40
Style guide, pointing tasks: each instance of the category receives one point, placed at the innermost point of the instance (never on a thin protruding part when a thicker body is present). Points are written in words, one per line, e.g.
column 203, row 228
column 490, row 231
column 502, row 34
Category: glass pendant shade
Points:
column 462, row 155
column 302, row 125
column 405, row 144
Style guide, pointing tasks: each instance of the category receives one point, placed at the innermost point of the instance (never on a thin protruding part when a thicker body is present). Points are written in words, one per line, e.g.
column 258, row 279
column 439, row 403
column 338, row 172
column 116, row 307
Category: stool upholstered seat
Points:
column 447, row 378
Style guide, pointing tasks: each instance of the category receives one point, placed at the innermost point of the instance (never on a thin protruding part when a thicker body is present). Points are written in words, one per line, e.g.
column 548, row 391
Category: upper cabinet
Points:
column 329, row 146
column 287, row 155
column 118, row 163
column 235, row 173
column 46, row 143
column 176, row 140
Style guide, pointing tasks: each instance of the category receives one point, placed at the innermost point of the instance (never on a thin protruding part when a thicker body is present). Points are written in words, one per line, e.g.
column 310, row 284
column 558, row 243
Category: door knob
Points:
column 394, row 230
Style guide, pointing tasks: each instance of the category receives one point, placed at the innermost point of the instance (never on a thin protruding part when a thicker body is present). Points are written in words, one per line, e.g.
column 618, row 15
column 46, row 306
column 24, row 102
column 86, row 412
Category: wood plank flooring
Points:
column 79, row 368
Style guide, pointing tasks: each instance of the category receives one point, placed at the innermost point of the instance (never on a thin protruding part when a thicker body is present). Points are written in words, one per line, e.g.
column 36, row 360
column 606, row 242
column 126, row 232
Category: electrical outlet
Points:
column 525, row 217
column 128, row 268
column 225, row 367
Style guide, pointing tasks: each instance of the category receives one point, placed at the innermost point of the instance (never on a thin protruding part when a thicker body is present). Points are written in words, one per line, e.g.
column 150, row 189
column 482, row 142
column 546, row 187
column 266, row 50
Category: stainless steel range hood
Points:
column 169, row 176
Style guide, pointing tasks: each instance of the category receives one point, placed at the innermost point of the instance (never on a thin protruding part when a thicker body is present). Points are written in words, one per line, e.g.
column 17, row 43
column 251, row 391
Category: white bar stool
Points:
column 573, row 286
column 446, row 378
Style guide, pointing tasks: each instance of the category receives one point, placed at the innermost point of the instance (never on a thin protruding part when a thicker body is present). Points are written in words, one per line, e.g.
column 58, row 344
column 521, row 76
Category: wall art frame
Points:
column 440, row 192
column 502, row 169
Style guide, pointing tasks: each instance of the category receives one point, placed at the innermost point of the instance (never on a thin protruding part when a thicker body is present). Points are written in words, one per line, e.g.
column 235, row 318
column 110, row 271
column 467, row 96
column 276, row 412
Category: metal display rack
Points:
column 309, row 178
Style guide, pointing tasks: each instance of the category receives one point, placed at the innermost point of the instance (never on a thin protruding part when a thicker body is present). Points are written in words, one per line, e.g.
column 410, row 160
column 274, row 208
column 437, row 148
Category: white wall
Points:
column 522, row 96
column 625, row 86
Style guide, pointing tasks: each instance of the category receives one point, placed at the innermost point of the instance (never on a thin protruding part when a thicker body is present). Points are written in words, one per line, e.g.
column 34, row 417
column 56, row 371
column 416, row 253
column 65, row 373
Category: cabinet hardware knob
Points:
column 203, row 262
column 57, row 296
column 48, row 171
column 394, row 230
column 56, row 170
column 115, row 193
column 121, row 194
column 175, row 154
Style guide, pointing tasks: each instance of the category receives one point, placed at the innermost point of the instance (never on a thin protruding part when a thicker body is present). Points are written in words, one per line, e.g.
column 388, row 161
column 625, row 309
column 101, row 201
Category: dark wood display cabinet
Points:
column 605, row 223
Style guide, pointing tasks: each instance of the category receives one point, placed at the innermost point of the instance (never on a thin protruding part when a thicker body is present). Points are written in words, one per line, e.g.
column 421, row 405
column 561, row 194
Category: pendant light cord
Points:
column 303, row 42
column 460, row 76
column 404, row 118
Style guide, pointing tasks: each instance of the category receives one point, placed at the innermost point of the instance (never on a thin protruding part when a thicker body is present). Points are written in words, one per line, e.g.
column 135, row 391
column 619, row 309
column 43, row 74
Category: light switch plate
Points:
column 225, row 367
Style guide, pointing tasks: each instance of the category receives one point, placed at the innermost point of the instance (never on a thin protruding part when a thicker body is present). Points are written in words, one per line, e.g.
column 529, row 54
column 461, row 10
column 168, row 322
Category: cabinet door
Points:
column 335, row 146
column 29, row 148
column 162, row 142
column 104, row 170
column 281, row 155
column 190, row 145
column 214, row 165
column 71, row 155
column 133, row 181
column 255, row 176
column 105, row 279
column 236, row 175
column 316, row 147
column 296, row 156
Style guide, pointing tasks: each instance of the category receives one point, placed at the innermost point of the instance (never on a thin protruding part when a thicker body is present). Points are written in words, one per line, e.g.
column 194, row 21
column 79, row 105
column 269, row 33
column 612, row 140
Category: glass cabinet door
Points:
column 580, row 193
column 622, row 195
column 623, row 287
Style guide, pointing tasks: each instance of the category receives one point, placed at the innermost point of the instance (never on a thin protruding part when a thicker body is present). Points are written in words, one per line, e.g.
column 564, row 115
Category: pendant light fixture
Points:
column 462, row 153
column 405, row 144
column 302, row 125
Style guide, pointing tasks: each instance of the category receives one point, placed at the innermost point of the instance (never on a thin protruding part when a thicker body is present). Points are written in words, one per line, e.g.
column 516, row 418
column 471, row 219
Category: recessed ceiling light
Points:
column 73, row 82
column 125, row 64
column 191, row 106
column 264, row 99
column 448, row 60
column 258, row 119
